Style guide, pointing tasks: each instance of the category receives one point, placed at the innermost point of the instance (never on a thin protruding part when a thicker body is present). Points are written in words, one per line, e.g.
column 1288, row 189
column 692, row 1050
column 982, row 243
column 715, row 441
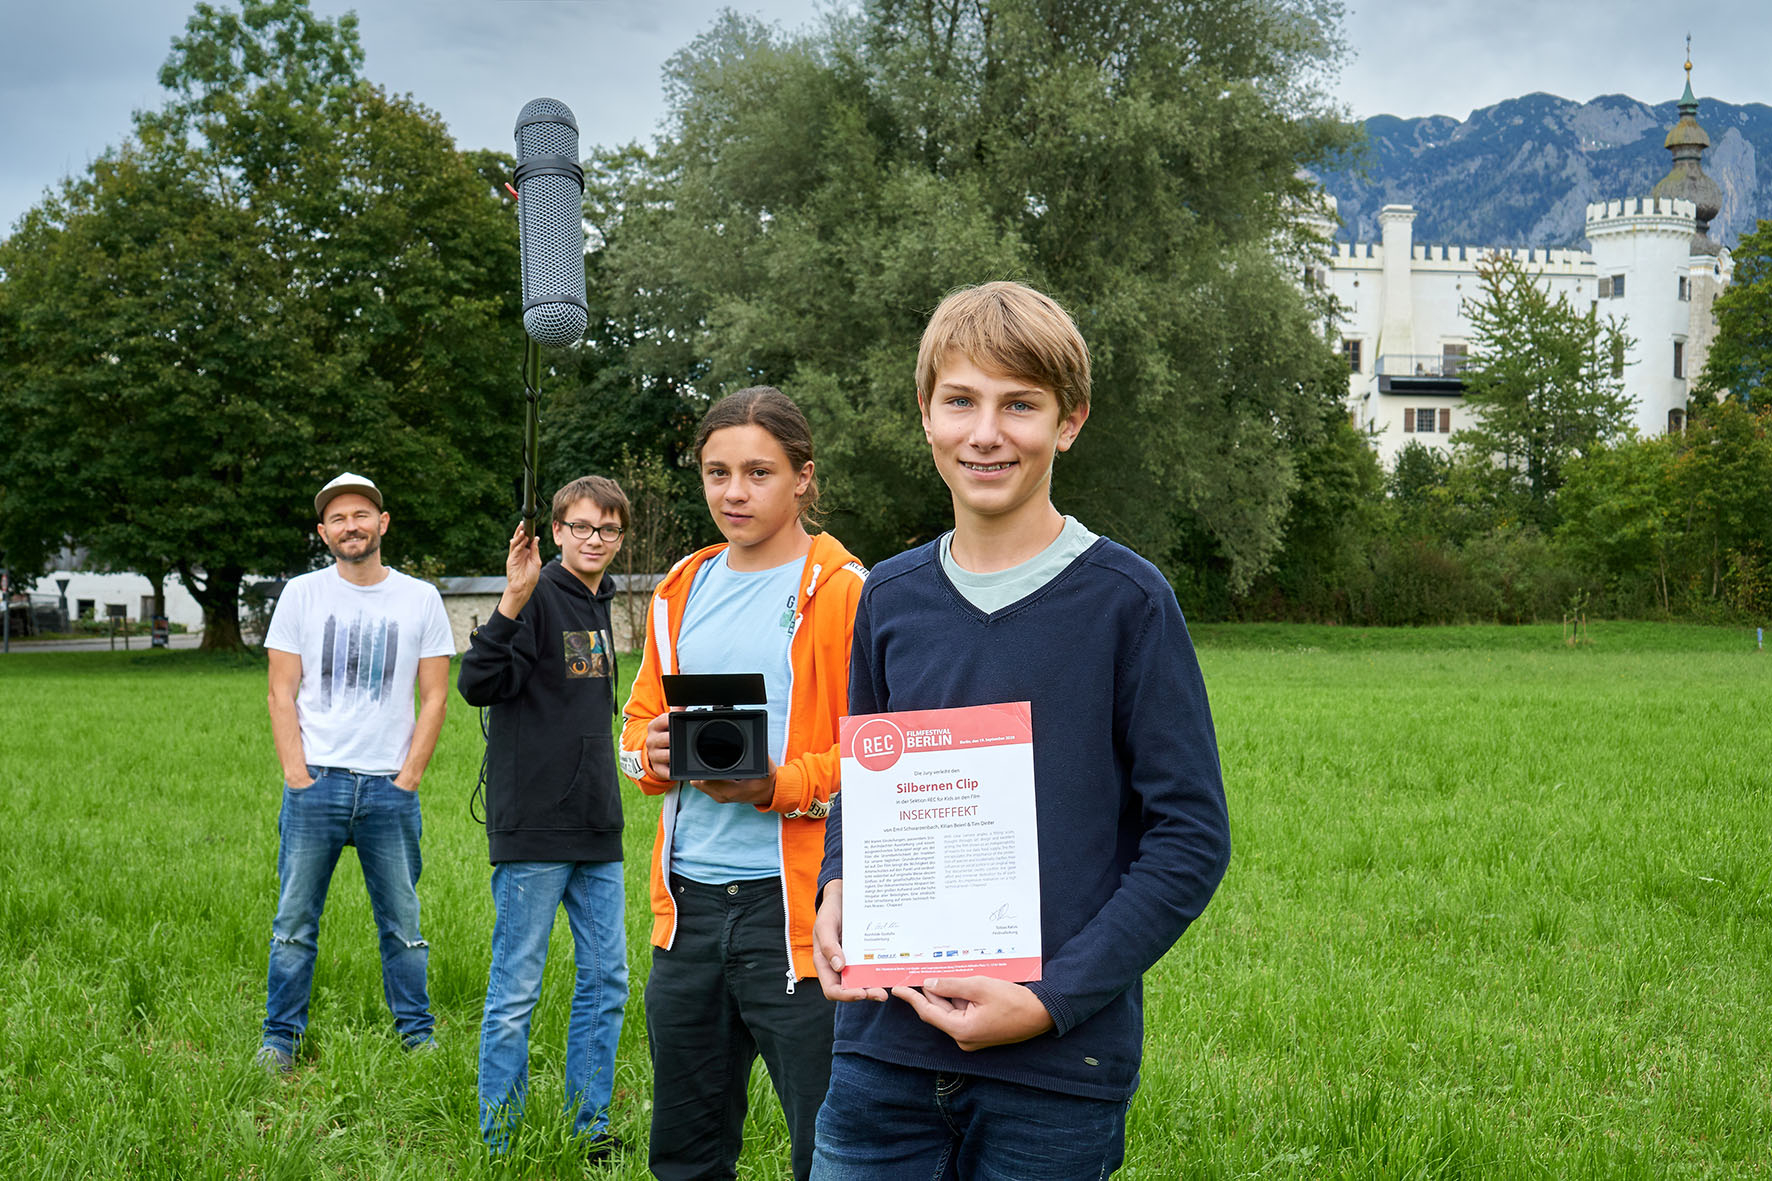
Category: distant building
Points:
column 1406, row 335
column 99, row 595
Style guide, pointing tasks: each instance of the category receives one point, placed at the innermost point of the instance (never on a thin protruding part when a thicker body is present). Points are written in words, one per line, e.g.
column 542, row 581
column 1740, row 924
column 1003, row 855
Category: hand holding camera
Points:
column 726, row 791
column 720, row 749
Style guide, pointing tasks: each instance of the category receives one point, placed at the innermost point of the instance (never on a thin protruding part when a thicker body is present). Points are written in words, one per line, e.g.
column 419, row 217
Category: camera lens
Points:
column 719, row 745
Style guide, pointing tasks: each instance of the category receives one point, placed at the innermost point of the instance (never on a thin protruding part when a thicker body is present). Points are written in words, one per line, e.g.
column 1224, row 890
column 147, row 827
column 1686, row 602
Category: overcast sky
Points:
column 72, row 72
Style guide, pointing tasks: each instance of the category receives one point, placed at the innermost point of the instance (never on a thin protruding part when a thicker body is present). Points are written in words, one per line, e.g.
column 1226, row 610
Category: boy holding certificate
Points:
column 976, row 1076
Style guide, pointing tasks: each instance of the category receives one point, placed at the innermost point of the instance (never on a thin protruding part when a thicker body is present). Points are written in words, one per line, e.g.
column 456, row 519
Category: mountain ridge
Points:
column 1521, row 172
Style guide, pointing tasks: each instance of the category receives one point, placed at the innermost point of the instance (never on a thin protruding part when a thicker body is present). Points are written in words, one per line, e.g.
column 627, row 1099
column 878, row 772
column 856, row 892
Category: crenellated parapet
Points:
column 1464, row 259
column 1642, row 215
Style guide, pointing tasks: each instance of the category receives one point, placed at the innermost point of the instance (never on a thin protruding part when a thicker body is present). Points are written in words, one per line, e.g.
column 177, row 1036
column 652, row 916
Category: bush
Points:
column 1416, row 581
column 1519, row 577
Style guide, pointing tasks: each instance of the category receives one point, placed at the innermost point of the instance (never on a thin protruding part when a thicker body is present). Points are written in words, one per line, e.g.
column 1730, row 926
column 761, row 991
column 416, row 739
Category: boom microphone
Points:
column 550, row 223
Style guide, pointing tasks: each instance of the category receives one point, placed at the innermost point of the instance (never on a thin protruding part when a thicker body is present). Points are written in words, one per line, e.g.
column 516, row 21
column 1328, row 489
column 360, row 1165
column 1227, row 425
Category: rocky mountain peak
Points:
column 1521, row 172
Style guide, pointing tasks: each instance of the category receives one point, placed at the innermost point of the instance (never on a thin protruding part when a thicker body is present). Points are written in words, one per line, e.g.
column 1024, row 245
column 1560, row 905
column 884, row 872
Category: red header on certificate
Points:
column 940, row 849
column 877, row 740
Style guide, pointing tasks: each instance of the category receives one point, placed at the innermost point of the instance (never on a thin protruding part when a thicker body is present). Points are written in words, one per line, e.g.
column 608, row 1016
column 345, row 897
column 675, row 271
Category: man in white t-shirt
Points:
column 346, row 645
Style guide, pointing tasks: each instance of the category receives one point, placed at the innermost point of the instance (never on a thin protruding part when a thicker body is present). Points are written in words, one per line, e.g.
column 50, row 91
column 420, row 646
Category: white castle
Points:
column 1406, row 333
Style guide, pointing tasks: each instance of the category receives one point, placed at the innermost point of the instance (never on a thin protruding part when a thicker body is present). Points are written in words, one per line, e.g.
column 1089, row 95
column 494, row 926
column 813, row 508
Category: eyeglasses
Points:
column 583, row 530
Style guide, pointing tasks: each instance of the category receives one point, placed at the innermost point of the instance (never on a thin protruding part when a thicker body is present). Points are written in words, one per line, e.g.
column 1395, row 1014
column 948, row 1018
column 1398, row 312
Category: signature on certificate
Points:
column 882, row 925
column 1001, row 913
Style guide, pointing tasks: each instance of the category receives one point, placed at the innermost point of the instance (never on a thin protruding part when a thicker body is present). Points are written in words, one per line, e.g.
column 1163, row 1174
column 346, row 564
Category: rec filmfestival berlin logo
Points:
column 878, row 743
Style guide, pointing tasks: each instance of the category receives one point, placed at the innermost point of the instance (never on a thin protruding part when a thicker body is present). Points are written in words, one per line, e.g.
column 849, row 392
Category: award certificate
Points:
column 941, row 858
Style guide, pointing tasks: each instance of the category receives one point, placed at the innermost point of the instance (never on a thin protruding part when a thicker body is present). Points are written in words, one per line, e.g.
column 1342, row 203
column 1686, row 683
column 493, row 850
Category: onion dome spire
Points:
column 1686, row 180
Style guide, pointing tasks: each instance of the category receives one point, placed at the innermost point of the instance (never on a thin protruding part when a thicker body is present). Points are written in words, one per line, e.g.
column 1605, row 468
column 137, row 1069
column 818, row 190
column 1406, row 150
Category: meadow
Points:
column 1498, row 908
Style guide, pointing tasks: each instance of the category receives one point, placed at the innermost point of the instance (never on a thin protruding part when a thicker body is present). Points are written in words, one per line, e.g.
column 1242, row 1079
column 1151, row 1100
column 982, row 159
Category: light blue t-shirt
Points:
column 992, row 592
column 736, row 622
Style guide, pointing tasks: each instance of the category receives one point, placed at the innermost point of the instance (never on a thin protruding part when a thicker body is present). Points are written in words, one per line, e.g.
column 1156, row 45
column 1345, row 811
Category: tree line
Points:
column 286, row 272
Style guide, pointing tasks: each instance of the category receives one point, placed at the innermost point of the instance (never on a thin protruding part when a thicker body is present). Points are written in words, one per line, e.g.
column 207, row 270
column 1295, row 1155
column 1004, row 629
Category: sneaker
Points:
column 275, row 1061
column 604, row 1149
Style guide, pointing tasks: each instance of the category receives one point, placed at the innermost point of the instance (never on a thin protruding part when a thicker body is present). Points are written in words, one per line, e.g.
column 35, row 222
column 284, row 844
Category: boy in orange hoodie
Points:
column 735, row 863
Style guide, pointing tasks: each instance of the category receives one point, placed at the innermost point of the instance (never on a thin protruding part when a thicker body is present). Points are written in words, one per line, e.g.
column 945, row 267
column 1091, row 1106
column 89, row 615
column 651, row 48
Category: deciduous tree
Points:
column 1739, row 365
column 286, row 272
column 1545, row 382
column 817, row 195
column 1689, row 514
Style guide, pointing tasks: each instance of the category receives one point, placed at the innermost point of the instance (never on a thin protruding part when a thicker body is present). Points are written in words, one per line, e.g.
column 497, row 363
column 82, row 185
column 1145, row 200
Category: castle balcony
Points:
column 1421, row 373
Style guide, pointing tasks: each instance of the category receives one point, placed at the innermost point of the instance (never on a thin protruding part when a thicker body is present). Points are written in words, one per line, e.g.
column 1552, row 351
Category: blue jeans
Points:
column 345, row 808
column 526, row 894
column 882, row 1122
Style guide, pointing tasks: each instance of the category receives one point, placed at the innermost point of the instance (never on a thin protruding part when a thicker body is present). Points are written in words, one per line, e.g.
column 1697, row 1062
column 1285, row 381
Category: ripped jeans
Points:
column 382, row 821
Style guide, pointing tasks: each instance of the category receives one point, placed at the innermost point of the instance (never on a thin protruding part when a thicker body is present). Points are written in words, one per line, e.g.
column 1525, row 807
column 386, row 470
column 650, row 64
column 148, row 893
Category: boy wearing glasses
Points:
column 544, row 664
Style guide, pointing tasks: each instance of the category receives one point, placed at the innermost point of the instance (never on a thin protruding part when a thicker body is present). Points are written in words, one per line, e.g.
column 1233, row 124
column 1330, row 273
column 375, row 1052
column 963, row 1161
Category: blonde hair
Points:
column 1012, row 329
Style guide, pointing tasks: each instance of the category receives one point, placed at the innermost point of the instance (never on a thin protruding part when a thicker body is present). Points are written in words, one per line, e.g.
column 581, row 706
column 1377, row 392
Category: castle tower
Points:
column 1708, row 265
column 1642, row 261
column 1686, row 180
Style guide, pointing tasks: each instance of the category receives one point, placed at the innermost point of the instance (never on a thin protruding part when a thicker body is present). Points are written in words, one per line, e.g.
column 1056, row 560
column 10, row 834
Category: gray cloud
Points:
column 72, row 73
column 1449, row 59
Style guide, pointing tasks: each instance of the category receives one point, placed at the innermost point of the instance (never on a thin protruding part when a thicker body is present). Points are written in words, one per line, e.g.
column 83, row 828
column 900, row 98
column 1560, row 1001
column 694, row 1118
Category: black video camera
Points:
column 721, row 742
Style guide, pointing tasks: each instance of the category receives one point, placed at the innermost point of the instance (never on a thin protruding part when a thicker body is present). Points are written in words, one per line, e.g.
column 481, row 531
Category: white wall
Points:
column 127, row 589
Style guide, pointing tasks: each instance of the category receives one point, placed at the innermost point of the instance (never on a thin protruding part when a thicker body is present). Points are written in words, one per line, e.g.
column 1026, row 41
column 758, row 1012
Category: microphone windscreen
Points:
column 550, row 221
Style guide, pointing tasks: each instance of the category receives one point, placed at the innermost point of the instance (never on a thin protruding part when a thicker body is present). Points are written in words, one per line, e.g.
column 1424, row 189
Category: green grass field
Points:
column 1498, row 908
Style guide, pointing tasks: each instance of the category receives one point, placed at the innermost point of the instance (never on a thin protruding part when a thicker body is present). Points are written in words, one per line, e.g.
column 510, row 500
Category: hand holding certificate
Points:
column 941, row 853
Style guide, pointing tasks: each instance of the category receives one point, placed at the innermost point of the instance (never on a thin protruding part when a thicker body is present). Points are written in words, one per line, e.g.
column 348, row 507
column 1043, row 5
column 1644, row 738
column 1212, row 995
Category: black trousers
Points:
column 715, row 1000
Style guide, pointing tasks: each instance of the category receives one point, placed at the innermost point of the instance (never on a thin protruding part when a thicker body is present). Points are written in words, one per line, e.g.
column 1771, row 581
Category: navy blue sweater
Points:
column 1133, row 830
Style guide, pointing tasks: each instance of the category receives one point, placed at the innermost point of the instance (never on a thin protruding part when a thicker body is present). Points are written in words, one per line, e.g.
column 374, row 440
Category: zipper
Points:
column 787, row 935
column 781, row 848
column 659, row 634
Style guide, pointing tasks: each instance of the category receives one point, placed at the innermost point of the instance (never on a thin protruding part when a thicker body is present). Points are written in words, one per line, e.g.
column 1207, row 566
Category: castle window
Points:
column 1679, row 358
column 1685, row 288
column 1452, row 359
column 1351, row 350
column 1617, row 286
column 1676, row 422
column 1424, row 420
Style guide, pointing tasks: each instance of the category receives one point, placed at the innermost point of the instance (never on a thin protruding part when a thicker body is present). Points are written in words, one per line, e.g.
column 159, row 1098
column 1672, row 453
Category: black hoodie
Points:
column 549, row 679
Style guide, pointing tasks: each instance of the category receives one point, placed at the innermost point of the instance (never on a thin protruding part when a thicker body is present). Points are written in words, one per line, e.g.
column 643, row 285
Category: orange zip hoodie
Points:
column 818, row 656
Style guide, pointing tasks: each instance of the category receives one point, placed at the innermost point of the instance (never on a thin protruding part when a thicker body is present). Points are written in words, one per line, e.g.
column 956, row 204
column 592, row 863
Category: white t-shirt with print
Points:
column 359, row 648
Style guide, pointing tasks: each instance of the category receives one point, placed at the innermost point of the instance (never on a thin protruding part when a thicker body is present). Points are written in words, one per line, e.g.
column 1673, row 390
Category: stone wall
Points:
column 468, row 609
